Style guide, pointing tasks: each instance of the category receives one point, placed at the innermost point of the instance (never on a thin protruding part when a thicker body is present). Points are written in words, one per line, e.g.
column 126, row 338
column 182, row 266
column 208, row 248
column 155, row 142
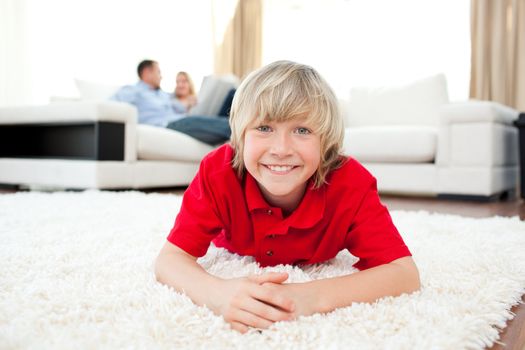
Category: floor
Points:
column 514, row 334
column 509, row 207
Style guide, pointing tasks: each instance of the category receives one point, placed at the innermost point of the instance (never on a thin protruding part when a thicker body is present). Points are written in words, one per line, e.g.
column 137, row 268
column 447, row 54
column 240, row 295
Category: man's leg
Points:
column 211, row 130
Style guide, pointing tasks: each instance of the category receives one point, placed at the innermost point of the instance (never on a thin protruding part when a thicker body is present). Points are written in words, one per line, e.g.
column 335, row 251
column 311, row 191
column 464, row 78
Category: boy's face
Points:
column 282, row 157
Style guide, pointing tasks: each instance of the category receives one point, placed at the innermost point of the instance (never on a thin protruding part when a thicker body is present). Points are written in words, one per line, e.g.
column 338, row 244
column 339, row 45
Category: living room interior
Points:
column 432, row 94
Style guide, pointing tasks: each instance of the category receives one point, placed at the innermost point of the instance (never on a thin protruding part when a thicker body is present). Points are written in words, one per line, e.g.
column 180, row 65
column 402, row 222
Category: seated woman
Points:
column 184, row 94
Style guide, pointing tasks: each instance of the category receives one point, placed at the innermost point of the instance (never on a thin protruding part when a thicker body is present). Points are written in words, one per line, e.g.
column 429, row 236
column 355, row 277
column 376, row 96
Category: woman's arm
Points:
column 244, row 302
column 392, row 279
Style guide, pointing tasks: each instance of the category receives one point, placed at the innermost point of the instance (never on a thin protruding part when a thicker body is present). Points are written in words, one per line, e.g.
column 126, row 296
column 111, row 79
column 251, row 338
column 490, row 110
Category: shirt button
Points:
column 269, row 253
column 269, row 212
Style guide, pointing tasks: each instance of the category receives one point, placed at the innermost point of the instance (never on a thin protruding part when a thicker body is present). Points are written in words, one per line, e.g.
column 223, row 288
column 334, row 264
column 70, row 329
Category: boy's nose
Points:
column 281, row 146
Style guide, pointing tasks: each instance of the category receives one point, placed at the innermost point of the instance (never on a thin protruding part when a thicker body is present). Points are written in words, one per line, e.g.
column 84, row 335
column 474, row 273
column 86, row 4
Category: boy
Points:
column 283, row 193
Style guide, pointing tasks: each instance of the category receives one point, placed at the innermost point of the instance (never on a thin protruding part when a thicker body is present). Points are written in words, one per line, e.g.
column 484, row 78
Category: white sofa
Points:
column 141, row 163
column 416, row 142
column 411, row 138
column 91, row 142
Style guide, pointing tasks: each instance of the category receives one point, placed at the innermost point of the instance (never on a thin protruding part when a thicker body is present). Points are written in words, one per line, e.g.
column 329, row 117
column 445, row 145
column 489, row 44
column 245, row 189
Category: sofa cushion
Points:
column 155, row 143
column 391, row 144
column 414, row 104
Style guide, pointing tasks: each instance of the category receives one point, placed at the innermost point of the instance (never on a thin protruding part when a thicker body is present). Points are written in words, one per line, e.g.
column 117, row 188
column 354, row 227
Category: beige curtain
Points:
column 238, row 36
column 498, row 51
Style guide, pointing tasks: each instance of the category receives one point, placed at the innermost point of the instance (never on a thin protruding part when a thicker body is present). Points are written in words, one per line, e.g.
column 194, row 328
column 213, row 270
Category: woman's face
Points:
column 182, row 88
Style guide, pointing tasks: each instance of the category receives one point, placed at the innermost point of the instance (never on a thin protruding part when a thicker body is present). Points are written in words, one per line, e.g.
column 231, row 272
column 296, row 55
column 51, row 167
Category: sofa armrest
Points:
column 475, row 111
column 74, row 113
column 109, row 111
column 477, row 133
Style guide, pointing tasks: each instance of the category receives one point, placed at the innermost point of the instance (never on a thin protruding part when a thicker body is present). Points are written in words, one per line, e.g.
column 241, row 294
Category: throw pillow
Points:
column 90, row 90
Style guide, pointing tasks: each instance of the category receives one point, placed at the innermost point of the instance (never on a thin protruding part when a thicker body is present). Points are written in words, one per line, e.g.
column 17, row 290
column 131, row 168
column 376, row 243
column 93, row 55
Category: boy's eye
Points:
column 303, row 131
column 264, row 128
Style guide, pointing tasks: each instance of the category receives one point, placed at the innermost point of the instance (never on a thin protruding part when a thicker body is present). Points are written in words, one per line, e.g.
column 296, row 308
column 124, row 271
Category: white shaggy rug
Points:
column 77, row 273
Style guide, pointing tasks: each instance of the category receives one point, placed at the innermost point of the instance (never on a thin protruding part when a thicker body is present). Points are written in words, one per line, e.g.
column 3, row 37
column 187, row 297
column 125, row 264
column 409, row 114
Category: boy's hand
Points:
column 252, row 302
column 303, row 296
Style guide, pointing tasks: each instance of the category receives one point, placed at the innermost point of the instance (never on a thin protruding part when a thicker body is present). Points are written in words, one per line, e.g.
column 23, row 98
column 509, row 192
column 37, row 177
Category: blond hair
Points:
column 282, row 91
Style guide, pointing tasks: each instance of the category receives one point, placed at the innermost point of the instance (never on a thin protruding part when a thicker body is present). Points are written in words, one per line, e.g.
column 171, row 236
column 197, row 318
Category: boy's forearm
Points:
column 185, row 275
column 243, row 302
column 365, row 286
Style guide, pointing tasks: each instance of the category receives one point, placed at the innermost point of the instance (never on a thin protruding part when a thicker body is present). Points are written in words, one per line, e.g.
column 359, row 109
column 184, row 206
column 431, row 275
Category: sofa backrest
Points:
column 91, row 90
column 211, row 94
column 415, row 104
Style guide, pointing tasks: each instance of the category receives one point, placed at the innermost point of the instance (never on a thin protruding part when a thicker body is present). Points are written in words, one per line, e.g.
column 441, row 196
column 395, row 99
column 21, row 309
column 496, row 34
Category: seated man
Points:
column 156, row 107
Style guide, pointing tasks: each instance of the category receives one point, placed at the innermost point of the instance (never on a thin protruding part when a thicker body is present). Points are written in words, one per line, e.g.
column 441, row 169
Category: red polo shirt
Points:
column 344, row 214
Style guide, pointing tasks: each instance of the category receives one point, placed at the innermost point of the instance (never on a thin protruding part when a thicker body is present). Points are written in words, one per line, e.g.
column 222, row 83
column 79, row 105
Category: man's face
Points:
column 152, row 76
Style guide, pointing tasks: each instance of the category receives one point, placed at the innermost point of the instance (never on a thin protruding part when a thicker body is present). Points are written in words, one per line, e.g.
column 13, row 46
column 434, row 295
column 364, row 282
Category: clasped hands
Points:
column 260, row 300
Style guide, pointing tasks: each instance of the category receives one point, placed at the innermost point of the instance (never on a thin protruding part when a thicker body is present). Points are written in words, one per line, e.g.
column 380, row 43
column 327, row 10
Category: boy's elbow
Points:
column 158, row 269
column 414, row 282
column 411, row 281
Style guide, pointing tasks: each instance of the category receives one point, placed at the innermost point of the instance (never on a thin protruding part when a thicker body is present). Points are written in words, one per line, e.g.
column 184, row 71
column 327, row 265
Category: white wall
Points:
column 45, row 44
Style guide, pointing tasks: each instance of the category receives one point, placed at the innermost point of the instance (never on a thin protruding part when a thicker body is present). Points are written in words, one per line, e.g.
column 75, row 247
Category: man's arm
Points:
column 244, row 302
column 126, row 93
column 392, row 279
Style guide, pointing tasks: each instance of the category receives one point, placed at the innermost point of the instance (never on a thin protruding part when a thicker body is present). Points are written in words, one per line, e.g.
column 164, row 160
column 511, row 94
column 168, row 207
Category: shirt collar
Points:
column 309, row 212
column 253, row 194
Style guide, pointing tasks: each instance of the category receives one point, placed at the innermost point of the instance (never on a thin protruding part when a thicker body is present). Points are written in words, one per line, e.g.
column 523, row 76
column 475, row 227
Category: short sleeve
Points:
column 197, row 222
column 372, row 236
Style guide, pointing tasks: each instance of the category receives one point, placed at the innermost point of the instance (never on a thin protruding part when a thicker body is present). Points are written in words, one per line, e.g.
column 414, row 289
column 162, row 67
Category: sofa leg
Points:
column 509, row 195
column 502, row 196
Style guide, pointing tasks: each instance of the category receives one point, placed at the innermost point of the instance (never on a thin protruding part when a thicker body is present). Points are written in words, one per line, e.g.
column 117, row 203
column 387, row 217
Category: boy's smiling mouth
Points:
column 280, row 169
